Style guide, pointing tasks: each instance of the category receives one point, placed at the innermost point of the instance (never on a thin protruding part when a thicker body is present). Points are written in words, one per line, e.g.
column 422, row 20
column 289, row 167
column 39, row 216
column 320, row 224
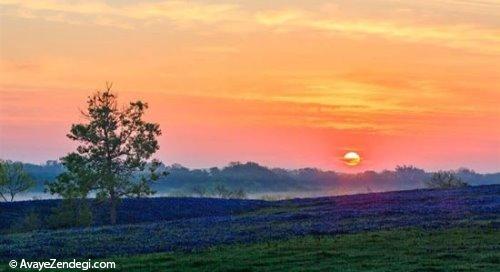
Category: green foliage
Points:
column 113, row 158
column 445, row 180
column 467, row 249
column 13, row 180
column 72, row 212
column 77, row 181
column 31, row 222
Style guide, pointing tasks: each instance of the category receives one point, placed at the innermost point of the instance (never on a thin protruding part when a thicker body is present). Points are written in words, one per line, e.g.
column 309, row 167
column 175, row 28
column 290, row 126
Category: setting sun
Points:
column 352, row 158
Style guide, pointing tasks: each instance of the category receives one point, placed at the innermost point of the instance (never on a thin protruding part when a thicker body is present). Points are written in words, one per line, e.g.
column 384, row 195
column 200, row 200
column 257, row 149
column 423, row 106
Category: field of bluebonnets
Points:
column 131, row 210
column 215, row 222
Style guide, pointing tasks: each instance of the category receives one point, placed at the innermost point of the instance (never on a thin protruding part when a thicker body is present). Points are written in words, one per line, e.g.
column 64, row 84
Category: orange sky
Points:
column 287, row 83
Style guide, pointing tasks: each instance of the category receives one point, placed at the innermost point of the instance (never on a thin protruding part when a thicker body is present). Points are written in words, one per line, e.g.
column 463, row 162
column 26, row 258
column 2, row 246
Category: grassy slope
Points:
column 459, row 249
column 475, row 249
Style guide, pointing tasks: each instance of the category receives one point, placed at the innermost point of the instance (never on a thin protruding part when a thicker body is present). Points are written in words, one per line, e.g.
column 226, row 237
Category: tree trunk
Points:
column 112, row 210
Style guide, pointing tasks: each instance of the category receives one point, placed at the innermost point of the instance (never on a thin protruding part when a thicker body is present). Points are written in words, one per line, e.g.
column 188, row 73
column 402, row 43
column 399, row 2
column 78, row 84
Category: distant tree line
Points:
column 251, row 177
column 219, row 191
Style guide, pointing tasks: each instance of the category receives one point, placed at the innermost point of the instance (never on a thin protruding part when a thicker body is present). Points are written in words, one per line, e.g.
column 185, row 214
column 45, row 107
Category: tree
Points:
column 13, row 180
column 199, row 191
column 410, row 176
column 445, row 180
column 114, row 156
column 469, row 175
column 221, row 191
column 239, row 193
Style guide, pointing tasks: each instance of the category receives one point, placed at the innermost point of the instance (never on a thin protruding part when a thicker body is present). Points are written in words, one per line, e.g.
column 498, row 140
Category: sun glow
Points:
column 352, row 158
column 257, row 81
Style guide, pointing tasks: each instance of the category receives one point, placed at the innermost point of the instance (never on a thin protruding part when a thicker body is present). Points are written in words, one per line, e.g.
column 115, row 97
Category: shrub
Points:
column 199, row 191
column 445, row 180
column 71, row 213
column 32, row 222
column 221, row 191
column 239, row 194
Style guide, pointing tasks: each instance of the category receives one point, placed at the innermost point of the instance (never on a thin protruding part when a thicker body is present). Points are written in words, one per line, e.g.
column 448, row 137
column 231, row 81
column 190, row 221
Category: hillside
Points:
column 427, row 209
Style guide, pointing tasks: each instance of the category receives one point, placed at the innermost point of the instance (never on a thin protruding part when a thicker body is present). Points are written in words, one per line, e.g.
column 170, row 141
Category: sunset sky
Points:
column 282, row 83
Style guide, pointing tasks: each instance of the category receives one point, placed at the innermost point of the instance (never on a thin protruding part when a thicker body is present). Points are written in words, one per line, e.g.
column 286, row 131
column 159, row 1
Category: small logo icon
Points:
column 13, row 264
